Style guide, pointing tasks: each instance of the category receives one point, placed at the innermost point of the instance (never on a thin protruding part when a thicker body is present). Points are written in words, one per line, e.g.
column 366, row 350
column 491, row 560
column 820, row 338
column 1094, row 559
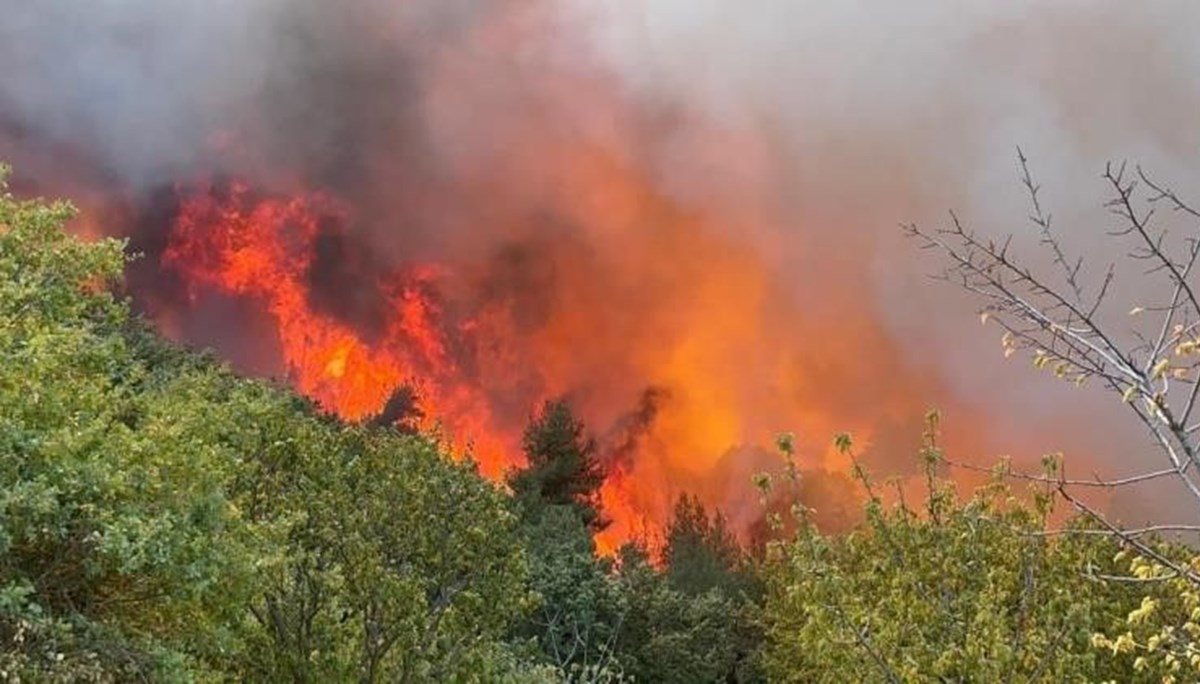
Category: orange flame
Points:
column 699, row 324
column 263, row 250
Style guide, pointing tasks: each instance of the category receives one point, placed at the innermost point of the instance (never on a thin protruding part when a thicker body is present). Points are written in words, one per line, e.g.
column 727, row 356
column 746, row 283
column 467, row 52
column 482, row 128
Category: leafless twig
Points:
column 1149, row 357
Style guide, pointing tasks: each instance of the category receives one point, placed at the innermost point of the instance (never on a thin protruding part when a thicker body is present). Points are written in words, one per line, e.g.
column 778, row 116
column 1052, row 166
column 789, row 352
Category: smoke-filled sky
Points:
column 695, row 200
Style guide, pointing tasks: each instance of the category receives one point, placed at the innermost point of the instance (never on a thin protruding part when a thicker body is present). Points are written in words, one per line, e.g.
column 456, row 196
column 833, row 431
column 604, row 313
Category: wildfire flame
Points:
column 263, row 249
column 492, row 247
column 680, row 369
column 230, row 239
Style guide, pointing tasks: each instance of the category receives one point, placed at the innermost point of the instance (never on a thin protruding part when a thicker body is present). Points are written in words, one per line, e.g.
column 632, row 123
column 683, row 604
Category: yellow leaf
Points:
column 1159, row 369
column 1127, row 395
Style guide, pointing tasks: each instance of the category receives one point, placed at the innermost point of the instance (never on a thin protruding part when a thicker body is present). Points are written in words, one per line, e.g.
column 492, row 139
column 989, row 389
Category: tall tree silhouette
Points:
column 563, row 469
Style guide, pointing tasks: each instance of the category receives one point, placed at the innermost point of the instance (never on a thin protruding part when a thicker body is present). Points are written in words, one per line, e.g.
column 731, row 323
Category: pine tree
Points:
column 563, row 469
column 701, row 553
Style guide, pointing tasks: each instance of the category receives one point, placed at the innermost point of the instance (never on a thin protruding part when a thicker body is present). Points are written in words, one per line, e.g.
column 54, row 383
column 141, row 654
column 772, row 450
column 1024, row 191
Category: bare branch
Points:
column 1132, row 532
column 1142, row 548
column 1042, row 221
column 1065, row 324
column 1045, row 479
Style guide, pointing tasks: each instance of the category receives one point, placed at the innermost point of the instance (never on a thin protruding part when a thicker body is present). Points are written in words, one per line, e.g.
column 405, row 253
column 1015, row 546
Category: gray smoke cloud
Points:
column 891, row 112
column 141, row 83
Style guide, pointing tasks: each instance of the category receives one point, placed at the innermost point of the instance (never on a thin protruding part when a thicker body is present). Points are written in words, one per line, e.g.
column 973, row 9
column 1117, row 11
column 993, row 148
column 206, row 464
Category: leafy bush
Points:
column 976, row 590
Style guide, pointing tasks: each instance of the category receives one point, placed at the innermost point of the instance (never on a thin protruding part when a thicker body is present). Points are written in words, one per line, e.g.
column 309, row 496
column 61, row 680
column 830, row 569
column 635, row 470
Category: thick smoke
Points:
column 891, row 113
column 679, row 213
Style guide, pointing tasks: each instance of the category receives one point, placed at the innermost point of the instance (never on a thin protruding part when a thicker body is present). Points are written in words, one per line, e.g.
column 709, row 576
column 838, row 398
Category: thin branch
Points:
column 1126, row 579
column 864, row 641
column 1045, row 479
column 1141, row 226
column 1132, row 532
column 1142, row 548
column 1035, row 315
column 1042, row 221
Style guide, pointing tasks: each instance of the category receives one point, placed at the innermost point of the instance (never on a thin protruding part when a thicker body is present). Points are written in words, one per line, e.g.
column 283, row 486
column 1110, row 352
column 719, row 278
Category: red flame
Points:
column 691, row 341
column 232, row 241
column 263, row 249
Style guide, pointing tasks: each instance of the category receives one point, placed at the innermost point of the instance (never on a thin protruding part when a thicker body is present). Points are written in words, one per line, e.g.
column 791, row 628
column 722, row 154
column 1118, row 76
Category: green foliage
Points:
column 671, row 635
column 970, row 591
column 697, row 618
column 1160, row 638
column 693, row 621
column 595, row 621
column 701, row 553
column 563, row 469
column 120, row 554
column 579, row 611
column 403, row 566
